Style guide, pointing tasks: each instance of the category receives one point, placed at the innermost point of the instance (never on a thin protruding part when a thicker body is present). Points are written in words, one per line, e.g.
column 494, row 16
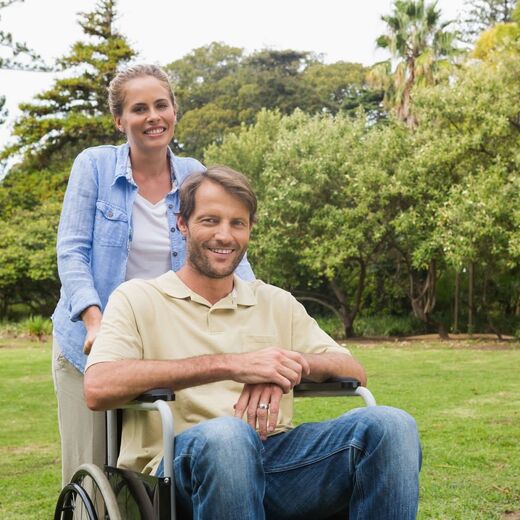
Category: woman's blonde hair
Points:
column 116, row 89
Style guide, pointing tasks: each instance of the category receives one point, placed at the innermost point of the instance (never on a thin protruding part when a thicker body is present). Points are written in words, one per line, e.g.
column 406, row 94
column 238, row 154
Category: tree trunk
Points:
column 404, row 111
column 423, row 297
column 349, row 312
column 487, row 308
column 348, row 325
column 471, row 305
column 456, row 303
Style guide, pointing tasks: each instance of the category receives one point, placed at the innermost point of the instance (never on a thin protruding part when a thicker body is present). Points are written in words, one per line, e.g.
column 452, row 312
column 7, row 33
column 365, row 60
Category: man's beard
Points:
column 200, row 262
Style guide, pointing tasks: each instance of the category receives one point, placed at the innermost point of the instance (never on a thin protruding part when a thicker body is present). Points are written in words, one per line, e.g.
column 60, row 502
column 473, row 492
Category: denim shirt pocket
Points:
column 111, row 225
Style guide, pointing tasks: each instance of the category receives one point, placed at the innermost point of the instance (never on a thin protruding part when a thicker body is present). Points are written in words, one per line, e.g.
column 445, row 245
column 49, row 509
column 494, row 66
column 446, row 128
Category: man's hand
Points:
column 91, row 318
column 281, row 367
column 262, row 418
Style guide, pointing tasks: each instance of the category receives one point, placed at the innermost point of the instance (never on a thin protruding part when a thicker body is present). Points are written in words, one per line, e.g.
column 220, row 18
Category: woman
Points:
column 118, row 222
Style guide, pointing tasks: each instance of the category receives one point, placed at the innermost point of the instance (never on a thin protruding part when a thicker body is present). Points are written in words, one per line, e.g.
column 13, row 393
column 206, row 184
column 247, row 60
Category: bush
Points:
column 384, row 325
column 37, row 326
column 387, row 325
column 9, row 329
column 332, row 326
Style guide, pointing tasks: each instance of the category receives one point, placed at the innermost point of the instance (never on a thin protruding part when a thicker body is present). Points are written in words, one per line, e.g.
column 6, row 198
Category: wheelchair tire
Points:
column 88, row 496
column 141, row 495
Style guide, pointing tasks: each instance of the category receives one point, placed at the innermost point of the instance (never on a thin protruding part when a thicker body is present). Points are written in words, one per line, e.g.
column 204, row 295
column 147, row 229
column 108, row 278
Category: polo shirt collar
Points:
column 242, row 293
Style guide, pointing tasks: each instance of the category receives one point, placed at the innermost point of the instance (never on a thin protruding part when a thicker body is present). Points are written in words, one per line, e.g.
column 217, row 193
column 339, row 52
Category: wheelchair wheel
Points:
column 134, row 496
column 88, row 496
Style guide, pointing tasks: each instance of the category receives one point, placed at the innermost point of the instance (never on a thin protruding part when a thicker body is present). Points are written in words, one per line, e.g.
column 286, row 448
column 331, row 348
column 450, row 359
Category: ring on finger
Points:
column 263, row 406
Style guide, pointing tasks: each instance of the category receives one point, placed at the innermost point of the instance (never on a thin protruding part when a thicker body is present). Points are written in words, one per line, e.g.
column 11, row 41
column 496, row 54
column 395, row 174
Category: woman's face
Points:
column 148, row 117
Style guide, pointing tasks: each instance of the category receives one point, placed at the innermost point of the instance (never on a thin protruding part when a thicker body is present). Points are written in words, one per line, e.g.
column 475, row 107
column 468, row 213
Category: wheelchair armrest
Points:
column 165, row 394
column 337, row 386
column 333, row 386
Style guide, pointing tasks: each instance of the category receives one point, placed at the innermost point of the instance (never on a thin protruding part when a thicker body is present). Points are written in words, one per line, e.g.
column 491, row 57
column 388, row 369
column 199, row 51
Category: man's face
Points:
column 217, row 232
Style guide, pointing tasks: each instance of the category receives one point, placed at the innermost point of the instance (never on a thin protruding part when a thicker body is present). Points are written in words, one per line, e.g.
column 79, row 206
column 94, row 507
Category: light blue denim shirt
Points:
column 95, row 234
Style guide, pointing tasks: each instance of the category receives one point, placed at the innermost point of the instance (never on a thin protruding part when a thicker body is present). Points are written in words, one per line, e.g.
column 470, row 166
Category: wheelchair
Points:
column 119, row 494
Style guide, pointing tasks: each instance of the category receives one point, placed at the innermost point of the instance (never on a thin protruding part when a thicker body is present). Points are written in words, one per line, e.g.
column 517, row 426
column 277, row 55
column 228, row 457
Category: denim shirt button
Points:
column 170, row 206
column 172, row 229
column 110, row 214
column 174, row 253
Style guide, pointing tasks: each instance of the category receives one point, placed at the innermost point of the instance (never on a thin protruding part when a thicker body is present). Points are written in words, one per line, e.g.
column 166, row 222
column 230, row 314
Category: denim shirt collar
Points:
column 122, row 160
column 123, row 166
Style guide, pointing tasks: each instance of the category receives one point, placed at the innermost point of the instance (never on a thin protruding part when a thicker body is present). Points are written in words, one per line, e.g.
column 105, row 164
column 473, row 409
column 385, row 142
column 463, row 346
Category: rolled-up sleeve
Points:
column 119, row 338
column 307, row 335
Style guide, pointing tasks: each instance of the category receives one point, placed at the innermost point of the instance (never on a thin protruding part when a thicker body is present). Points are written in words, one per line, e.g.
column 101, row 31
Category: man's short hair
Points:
column 233, row 182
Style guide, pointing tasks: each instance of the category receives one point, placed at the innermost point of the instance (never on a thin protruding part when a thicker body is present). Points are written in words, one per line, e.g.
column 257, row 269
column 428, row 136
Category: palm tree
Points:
column 420, row 44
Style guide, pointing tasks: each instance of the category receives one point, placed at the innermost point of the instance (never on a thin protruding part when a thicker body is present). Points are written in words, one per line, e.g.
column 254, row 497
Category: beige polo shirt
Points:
column 164, row 319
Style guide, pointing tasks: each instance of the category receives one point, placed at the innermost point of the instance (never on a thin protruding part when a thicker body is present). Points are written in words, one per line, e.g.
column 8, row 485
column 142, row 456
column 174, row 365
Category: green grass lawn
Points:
column 466, row 402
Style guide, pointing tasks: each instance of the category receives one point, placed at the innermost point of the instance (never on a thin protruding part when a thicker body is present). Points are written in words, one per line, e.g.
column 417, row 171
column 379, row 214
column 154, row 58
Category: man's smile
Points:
column 221, row 251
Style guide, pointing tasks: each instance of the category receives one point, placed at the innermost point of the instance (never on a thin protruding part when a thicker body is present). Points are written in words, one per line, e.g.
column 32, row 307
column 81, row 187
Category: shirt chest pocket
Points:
column 252, row 342
column 111, row 227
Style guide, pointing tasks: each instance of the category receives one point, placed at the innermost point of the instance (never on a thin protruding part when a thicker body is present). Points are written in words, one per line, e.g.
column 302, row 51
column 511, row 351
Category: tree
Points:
column 501, row 37
column 473, row 135
column 248, row 151
column 15, row 55
column 28, row 272
column 220, row 88
column 339, row 87
column 322, row 183
column 419, row 42
column 475, row 227
column 30, row 203
column 480, row 15
column 74, row 113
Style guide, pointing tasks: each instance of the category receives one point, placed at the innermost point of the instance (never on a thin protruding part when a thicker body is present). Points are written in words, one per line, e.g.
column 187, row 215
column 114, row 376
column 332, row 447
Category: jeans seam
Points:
column 315, row 460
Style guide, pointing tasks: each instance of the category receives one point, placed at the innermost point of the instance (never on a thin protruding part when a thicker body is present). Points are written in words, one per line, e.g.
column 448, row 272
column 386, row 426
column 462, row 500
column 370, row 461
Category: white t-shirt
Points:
column 149, row 255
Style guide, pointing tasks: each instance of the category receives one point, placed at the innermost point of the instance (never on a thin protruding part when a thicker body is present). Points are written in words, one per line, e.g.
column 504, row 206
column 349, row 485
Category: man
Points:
column 229, row 348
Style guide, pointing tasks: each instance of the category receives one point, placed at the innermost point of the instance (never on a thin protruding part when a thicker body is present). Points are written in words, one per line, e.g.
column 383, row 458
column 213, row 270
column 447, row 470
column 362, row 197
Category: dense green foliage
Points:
column 362, row 213
column 321, row 181
column 30, row 203
column 416, row 207
column 220, row 88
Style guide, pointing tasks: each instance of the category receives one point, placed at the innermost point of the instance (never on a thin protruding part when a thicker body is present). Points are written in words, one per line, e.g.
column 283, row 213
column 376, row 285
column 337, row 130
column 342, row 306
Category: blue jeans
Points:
column 362, row 465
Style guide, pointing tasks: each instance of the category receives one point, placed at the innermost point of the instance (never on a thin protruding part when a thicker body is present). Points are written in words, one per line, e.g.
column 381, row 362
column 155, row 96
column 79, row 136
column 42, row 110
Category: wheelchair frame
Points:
column 156, row 400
